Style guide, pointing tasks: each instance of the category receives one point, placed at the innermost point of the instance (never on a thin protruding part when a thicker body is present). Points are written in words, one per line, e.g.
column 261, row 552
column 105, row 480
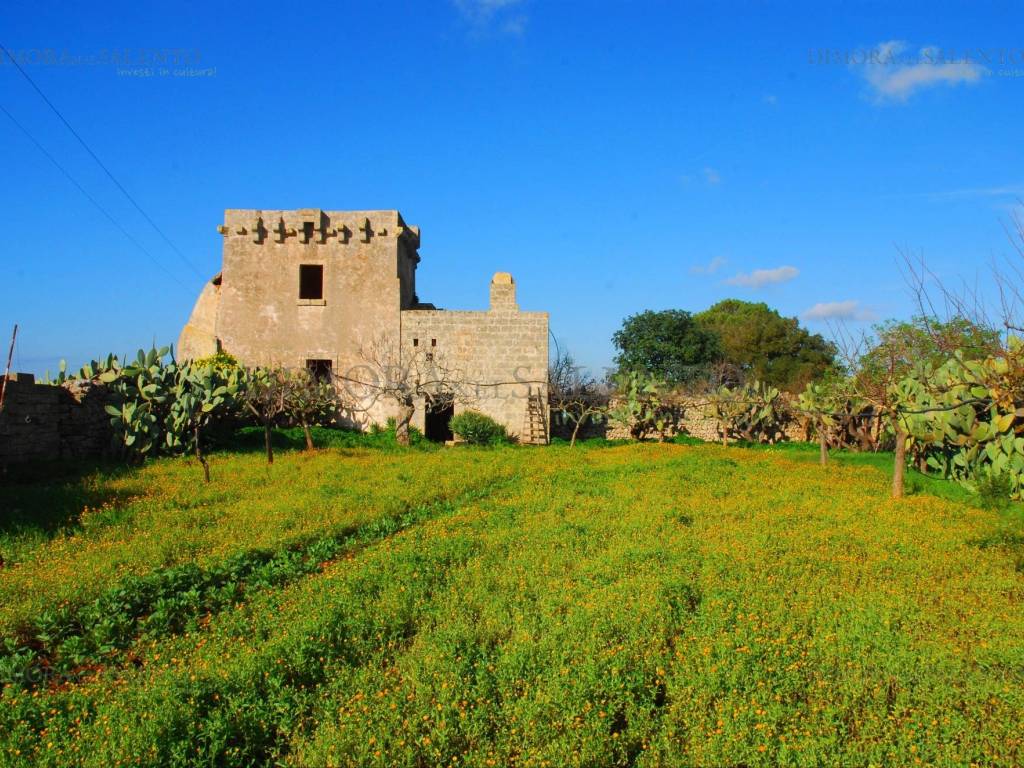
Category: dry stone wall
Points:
column 41, row 422
column 690, row 418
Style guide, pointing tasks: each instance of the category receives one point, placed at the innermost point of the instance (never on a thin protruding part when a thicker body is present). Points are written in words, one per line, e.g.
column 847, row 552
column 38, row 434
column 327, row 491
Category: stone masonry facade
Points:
column 42, row 422
column 501, row 355
column 314, row 288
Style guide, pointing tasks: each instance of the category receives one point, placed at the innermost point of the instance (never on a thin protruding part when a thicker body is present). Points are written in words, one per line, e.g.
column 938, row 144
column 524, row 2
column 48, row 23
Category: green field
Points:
column 639, row 604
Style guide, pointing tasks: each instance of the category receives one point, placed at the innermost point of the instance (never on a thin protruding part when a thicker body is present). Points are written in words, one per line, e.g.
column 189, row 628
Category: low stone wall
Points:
column 40, row 421
column 689, row 419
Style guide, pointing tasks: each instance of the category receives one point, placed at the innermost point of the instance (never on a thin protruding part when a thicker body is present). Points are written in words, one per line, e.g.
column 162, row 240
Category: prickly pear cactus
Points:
column 967, row 417
column 754, row 412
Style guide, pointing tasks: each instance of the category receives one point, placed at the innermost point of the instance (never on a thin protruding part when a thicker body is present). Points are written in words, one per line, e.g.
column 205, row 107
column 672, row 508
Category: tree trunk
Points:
column 899, row 463
column 202, row 459
column 822, row 445
column 405, row 411
column 575, row 429
column 266, row 441
column 309, row 436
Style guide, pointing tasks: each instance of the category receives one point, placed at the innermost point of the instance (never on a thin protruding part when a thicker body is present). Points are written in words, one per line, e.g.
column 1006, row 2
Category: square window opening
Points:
column 311, row 281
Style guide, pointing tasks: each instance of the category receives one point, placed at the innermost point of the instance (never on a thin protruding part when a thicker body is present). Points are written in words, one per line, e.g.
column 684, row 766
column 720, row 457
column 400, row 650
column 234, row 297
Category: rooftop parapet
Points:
column 316, row 226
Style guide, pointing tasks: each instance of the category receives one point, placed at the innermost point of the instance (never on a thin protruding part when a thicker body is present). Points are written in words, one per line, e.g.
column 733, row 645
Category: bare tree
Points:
column 875, row 367
column 964, row 301
column 402, row 376
column 574, row 392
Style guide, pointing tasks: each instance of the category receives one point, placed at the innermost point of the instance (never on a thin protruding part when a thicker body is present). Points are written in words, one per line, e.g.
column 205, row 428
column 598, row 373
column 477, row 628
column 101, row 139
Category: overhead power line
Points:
column 99, row 162
column 89, row 197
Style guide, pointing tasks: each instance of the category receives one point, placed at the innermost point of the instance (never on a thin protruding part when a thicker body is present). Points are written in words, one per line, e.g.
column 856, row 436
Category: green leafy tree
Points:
column 897, row 348
column 668, row 345
column 766, row 346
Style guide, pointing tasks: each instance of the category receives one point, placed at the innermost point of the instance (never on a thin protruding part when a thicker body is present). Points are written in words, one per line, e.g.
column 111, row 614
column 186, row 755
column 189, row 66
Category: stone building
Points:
column 318, row 289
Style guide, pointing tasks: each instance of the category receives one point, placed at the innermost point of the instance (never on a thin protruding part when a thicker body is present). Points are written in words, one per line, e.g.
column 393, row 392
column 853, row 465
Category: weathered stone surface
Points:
column 690, row 418
column 40, row 421
column 502, row 354
column 199, row 336
column 254, row 311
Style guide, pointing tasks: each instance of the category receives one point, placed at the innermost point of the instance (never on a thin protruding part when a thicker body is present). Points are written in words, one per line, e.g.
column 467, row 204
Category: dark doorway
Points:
column 438, row 420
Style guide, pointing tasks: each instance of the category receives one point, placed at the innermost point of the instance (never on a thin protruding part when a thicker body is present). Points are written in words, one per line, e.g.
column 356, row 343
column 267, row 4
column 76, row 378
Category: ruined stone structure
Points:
column 316, row 289
column 40, row 421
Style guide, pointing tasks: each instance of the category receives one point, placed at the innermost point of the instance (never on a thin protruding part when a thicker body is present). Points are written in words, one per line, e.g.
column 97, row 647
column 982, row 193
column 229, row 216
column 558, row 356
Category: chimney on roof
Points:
column 503, row 292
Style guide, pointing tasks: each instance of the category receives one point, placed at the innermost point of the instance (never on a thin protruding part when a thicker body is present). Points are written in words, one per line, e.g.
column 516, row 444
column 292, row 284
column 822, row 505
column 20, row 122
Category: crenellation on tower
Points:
column 315, row 226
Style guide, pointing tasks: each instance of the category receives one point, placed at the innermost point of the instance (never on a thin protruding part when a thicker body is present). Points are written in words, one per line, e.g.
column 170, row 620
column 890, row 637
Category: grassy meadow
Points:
column 606, row 605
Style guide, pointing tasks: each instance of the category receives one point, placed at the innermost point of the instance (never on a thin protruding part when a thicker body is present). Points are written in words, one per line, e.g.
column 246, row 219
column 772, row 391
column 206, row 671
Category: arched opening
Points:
column 438, row 418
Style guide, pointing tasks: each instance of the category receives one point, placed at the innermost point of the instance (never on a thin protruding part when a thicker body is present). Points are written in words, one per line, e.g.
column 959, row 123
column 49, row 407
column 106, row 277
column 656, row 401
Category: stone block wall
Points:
column 40, row 421
column 690, row 419
column 500, row 357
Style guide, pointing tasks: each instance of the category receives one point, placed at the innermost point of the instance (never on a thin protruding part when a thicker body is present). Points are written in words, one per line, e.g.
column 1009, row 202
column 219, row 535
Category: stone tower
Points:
column 313, row 288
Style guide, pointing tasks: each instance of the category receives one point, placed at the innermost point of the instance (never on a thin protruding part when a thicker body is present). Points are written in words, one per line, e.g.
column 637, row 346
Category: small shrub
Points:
column 478, row 429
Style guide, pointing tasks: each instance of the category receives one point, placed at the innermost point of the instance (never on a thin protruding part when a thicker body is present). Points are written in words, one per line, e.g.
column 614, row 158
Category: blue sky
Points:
column 613, row 157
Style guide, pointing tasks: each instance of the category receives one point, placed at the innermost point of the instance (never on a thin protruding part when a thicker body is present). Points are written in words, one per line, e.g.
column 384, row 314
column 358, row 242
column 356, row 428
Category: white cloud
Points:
column 894, row 75
column 1012, row 190
column 839, row 310
column 497, row 15
column 712, row 177
column 710, row 268
column 762, row 277
column 516, row 26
